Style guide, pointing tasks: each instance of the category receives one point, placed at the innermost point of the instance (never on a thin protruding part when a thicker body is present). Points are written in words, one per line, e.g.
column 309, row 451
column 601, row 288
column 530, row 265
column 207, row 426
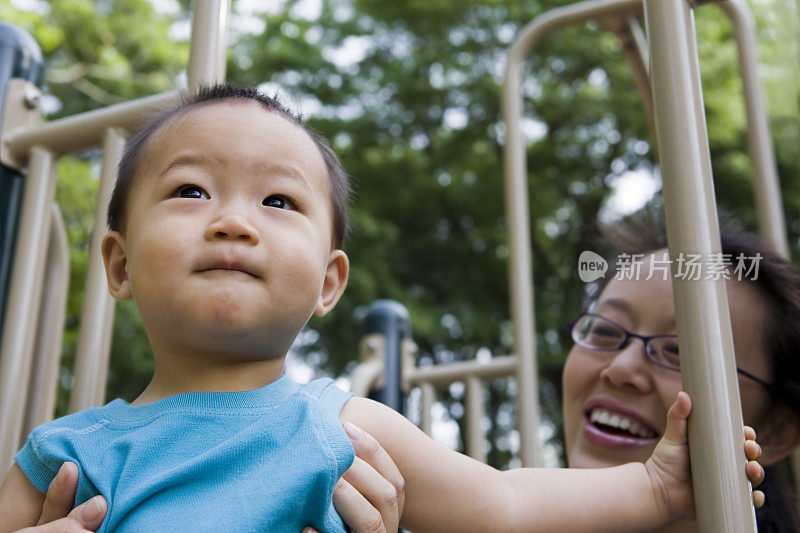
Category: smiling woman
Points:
column 624, row 366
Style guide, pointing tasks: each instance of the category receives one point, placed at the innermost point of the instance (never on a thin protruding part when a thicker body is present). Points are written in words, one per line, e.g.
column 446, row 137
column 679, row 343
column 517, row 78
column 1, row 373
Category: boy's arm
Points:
column 20, row 502
column 447, row 491
column 444, row 490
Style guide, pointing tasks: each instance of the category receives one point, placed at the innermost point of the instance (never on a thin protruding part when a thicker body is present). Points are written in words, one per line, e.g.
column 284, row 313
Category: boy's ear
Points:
column 116, row 263
column 334, row 283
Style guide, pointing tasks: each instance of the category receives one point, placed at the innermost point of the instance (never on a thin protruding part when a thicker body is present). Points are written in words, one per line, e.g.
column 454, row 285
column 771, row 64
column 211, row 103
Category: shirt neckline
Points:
column 267, row 396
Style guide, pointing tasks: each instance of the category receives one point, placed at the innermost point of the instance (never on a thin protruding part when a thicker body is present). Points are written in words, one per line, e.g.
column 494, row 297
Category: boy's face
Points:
column 228, row 241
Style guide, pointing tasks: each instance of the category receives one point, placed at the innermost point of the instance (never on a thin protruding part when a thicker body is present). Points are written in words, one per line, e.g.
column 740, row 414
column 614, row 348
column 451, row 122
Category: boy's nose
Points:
column 232, row 226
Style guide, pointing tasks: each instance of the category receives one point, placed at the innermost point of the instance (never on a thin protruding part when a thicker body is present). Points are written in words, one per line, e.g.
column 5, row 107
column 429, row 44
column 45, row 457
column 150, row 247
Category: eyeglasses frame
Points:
column 646, row 339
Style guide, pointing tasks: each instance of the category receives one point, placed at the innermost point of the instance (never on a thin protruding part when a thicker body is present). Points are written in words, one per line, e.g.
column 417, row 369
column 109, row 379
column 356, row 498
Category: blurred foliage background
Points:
column 408, row 93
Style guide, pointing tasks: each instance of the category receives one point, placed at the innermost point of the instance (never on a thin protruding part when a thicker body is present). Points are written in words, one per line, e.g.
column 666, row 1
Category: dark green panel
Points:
column 20, row 57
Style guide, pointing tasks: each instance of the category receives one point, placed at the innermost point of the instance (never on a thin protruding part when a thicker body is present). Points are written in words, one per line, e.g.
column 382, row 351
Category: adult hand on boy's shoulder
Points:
column 57, row 513
column 371, row 494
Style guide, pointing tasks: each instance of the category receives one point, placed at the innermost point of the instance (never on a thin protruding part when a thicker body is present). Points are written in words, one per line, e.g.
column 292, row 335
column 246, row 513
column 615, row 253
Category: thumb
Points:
column 675, row 432
column 63, row 525
column 90, row 514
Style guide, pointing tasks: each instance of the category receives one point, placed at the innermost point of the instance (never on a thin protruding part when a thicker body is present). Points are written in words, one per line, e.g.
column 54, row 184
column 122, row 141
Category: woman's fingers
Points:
column 90, row 513
column 61, row 497
column 64, row 525
column 60, row 494
column 371, row 452
column 377, row 491
column 749, row 433
column 356, row 511
column 85, row 518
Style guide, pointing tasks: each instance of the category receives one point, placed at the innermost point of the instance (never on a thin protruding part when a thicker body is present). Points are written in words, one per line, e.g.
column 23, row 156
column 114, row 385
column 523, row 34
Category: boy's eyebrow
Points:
column 286, row 171
column 183, row 161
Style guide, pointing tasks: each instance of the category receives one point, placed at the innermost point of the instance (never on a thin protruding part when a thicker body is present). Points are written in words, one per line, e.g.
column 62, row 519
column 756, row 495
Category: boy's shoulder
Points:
column 83, row 421
column 326, row 391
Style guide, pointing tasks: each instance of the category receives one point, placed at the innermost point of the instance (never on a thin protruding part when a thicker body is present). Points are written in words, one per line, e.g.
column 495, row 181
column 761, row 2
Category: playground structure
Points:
column 668, row 79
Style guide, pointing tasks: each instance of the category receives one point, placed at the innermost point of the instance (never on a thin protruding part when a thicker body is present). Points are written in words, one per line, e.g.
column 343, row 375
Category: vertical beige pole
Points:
column 47, row 353
column 428, row 397
column 766, row 188
column 24, row 299
column 97, row 313
column 634, row 50
column 208, row 46
column 520, row 263
column 721, row 491
column 475, row 441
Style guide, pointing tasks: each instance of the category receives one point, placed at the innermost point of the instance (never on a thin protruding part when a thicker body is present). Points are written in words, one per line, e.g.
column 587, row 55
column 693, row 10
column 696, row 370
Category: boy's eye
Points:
column 191, row 191
column 278, row 202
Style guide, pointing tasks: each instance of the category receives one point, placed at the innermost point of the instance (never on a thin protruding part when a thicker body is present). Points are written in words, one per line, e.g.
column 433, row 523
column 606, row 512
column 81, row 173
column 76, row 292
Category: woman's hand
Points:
column 58, row 516
column 370, row 495
column 668, row 467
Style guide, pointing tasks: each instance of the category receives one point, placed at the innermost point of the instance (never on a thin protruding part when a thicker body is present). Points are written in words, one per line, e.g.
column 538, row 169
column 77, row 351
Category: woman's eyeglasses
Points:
column 596, row 332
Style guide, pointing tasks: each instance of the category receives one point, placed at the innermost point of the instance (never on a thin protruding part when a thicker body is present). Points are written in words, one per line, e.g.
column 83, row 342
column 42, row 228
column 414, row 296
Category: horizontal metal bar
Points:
column 83, row 132
column 443, row 375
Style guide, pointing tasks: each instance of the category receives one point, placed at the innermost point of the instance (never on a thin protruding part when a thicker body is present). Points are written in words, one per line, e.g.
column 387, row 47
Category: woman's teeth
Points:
column 622, row 422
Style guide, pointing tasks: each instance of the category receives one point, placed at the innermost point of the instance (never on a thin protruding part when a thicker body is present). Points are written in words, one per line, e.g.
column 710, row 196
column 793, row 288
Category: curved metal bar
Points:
column 23, row 301
column 47, row 354
column 516, row 201
column 97, row 313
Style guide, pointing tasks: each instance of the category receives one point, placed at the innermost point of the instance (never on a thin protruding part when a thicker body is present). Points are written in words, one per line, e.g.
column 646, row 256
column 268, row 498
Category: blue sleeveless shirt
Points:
column 260, row 460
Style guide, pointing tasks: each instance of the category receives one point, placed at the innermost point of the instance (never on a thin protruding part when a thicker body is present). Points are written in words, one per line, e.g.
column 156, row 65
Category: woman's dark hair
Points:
column 136, row 146
column 778, row 281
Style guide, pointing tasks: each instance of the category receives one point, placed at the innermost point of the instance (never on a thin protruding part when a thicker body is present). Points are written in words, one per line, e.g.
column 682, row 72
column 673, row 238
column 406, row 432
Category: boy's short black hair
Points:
column 135, row 147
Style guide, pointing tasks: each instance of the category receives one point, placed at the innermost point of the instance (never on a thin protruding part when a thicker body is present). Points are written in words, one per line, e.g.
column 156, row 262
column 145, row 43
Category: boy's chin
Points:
column 237, row 342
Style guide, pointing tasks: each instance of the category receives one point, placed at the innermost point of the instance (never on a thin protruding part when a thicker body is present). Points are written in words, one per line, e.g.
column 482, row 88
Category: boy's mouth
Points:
column 232, row 266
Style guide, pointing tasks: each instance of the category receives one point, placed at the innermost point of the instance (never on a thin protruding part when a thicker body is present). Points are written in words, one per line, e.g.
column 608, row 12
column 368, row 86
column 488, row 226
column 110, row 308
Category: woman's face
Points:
column 599, row 386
